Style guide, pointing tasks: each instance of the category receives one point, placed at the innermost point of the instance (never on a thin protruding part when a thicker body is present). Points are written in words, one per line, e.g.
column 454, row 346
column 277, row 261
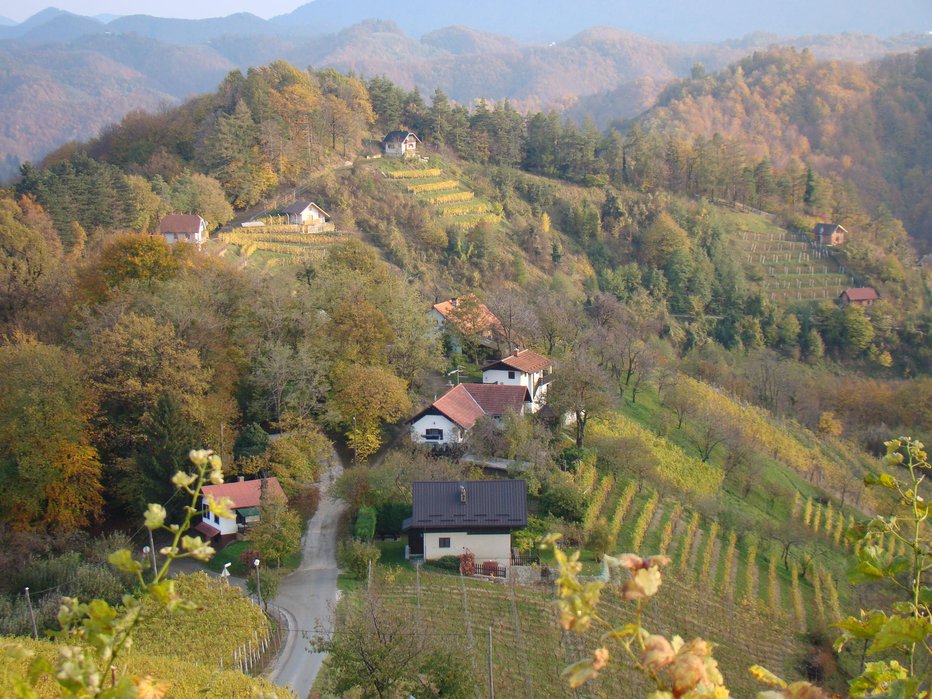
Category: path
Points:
column 308, row 595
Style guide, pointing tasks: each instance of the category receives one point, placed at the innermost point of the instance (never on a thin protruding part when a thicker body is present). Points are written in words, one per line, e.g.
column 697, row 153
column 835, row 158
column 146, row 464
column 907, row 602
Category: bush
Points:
column 563, row 501
column 449, row 564
column 365, row 524
column 468, row 563
column 247, row 557
column 354, row 557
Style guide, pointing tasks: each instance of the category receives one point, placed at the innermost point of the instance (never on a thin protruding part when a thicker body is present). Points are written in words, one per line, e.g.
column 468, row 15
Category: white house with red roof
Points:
column 523, row 367
column 246, row 496
column 188, row 228
column 447, row 420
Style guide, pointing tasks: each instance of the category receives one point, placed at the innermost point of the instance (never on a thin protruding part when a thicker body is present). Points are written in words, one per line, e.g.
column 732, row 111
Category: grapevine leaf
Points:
column 866, row 627
column 900, row 564
column 579, row 673
column 900, row 631
column 864, row 572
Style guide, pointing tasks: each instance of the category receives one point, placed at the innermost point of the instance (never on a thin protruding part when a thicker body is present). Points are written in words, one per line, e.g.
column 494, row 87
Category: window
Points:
column 511, row 374
column 444, row 542
column 433, row 434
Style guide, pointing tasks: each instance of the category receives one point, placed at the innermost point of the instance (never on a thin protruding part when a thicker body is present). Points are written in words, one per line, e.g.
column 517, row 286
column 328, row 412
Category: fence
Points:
column 490, row 569
column 254, row 656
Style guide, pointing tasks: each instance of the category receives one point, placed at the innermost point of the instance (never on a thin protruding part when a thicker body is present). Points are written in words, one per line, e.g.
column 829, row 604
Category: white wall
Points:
column 451, row 431
column 501, row 376
column 485, row 547
column 227, row 526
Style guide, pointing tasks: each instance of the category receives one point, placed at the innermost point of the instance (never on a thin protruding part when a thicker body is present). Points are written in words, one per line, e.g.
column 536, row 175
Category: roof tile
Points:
column 244, row 493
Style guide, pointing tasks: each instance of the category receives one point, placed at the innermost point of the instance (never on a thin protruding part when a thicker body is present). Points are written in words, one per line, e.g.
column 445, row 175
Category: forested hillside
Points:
column 138, row 62
column 870, row 126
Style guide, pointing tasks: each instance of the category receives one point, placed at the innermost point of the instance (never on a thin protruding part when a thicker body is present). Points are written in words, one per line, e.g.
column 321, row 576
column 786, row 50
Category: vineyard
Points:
column 289, row 241
column 453, row 202
column 193, row 652
column 788, row 266
column 529, row 650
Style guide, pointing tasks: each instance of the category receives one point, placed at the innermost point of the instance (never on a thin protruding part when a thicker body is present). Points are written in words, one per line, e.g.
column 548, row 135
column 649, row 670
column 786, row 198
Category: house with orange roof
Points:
column 446, row 421
column 468, row 316
column 523, row 367
column 246, row 496
column 188, row 228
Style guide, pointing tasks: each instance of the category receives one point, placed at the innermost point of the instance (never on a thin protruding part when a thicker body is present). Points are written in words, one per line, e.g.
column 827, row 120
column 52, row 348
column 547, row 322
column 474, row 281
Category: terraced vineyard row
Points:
column 289, row 241
column 454, row 203
column 790, row 267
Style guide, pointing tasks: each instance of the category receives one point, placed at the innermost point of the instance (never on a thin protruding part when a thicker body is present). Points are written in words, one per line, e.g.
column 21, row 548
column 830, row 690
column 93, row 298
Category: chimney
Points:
column 454, row 301
column 240, row 479
column 463, row 494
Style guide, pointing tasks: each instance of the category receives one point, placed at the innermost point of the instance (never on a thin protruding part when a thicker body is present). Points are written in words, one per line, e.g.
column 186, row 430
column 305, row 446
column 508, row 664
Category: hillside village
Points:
column 351, row 361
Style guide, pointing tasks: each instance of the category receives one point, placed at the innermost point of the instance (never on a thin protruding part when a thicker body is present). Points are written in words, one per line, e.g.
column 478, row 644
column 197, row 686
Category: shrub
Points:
column 354, row 557
column 450, row 564
column 365, row 523
column 468, row 563
column 247, row 557
column 564, row 501
column 599, row 541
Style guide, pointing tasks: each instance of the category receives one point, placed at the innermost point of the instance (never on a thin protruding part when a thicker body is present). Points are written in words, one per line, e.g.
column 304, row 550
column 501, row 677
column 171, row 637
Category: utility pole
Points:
column 155, row 570
column 258, row 580
column 32, row 615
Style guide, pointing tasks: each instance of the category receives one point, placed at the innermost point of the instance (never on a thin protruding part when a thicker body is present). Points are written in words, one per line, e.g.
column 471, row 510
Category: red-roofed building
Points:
column 470, row 317
column 858, row 296
column 448, row 418
column 188, row 228
column 523, row 367
column 246, row 496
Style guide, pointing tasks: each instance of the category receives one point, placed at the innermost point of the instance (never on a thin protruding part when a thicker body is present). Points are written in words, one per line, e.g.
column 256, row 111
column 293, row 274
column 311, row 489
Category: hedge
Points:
column 365, row 523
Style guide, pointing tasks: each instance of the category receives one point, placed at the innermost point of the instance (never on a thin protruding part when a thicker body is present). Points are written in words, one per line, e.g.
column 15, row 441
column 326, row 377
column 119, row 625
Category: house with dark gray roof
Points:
column 400, row 144
column 449, row 518
column 306, row 213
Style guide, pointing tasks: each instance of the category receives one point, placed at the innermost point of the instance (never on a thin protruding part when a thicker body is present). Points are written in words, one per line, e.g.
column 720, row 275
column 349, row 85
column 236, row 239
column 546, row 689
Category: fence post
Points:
column 32, row 616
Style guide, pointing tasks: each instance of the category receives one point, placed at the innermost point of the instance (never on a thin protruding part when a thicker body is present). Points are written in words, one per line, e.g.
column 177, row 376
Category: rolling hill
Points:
column 604, row 72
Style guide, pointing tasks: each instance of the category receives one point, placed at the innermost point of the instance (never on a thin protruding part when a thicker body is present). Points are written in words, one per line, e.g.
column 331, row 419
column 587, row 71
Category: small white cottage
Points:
column 523, row 367
column 306, row 213
column 449, row 518
column 400, row 144
column 188, row 228
column 246, row 496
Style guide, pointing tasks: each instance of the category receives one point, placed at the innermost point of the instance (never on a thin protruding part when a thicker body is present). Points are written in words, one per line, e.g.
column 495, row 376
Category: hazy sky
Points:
column 192, row 9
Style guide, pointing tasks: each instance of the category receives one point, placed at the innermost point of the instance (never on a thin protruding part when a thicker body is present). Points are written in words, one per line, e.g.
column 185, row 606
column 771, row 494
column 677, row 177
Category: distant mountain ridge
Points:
column 606, row 72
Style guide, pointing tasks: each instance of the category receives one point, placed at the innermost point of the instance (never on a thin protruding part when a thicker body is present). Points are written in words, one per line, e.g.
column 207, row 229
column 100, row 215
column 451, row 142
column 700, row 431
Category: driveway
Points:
column 308, row 595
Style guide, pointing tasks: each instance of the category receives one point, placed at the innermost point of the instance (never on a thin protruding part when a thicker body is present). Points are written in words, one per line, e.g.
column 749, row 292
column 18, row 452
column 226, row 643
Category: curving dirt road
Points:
column 308, row 595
